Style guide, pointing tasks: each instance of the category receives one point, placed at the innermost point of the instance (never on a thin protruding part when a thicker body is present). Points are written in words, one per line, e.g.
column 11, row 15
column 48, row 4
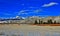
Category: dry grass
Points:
column 29, row 28
column 47, row 24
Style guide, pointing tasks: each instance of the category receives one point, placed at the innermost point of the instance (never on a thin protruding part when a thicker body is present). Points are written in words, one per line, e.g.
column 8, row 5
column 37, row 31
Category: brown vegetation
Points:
column 47, row 24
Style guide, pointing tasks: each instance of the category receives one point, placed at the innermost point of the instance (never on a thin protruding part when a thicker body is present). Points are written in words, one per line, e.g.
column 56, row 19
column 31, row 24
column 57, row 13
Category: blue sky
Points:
column 12, row 8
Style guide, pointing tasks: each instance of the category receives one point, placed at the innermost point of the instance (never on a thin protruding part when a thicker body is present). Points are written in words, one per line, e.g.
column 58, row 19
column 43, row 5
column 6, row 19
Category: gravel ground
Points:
column 29, row 30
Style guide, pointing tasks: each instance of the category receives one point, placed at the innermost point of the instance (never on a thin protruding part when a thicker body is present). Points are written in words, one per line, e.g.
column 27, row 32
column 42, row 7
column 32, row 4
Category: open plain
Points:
column 28, row 30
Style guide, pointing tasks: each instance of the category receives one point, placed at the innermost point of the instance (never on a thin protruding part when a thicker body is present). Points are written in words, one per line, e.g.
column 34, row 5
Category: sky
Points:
column 12, row 8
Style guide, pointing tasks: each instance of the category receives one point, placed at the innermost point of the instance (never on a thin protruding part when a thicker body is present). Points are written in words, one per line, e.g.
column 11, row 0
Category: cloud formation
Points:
column 50, row 4
column 33, row 7
column 38, row 10
column 29, row 11
column 22, row 12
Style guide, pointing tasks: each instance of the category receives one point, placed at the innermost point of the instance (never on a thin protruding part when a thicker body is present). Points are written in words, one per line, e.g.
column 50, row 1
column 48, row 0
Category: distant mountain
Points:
column 32, row 19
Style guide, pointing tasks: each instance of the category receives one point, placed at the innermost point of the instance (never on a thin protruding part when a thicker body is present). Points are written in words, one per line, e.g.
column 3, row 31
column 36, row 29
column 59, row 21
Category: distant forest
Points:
column 48, row 22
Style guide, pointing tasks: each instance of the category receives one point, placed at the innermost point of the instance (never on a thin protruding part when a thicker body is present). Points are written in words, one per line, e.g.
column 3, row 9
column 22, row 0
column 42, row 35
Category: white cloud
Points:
column 29, row 11
column 33, row 7
column 22, row 12
column 50, row 4
column 38, row 10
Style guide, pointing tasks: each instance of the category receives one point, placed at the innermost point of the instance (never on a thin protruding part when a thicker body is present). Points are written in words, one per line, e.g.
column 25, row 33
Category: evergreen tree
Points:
column 41, row 22
column 54, row 22
column 36, row 22
column 50, row 21
column 44, row 22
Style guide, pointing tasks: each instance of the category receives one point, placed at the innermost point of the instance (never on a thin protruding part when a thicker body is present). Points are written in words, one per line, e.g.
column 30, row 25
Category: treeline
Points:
column 48, row 22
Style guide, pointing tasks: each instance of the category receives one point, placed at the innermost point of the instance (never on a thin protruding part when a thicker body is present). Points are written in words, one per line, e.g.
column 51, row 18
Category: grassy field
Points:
column 29, row 30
